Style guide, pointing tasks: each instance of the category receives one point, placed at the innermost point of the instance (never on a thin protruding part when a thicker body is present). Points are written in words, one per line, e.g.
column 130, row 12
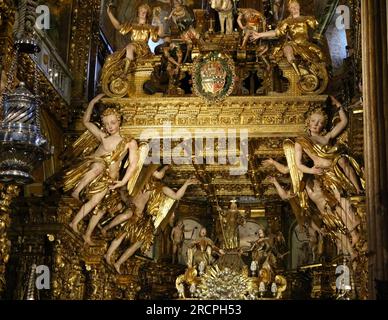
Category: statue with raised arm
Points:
column 95, row 179
column 305, row 57
column 119, row 64
column 337, row 171
column 307, row 197
column 230, row 220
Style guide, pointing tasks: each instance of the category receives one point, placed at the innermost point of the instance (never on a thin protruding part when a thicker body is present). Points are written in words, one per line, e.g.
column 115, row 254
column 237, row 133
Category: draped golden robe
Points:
column 139, row 36
column 102, row 182
column 333, row 179
column 142, row 227
column 296, row 34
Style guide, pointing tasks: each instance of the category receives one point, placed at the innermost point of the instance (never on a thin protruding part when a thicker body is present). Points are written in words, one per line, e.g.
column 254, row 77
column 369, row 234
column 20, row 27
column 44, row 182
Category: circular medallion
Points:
column 213, row 76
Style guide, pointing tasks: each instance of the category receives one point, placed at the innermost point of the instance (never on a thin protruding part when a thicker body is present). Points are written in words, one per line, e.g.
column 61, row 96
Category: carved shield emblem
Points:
column 213, row 76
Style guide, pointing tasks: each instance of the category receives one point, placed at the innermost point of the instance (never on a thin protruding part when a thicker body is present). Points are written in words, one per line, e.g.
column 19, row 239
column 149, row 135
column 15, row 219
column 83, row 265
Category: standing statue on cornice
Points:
column 225, row 14
column 305, row 57
column 183, row 17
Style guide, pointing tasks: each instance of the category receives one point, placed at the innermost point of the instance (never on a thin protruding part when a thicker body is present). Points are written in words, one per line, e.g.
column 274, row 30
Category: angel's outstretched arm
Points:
column 284, row 195
column 280, row 167
column 87, row 115
column 341, row 125
column 180, row 193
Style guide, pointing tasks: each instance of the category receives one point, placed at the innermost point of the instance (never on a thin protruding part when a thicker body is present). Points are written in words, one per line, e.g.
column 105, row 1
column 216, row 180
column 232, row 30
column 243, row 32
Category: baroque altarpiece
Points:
column 193, row 149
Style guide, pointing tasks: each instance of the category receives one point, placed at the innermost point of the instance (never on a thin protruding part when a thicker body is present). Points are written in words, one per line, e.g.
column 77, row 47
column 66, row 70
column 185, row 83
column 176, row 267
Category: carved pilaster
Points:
column 375, row 82
column 7, row 18
column 361, row 266
column 7, row 194
column 68, row 280
column 83, row 46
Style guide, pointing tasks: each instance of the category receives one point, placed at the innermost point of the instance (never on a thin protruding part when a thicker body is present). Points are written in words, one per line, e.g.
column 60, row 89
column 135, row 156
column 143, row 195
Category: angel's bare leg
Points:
column 112, row 248
column 350, row 173
column 289, row 54
column 245, row 40
column 351, row 219
column 117, row 220
column 86, row 208
column 92, row 225
column 127, row 254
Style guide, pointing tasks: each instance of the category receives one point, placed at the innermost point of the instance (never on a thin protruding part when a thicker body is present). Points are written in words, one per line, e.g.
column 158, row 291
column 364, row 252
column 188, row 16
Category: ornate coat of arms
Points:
column 213, row 76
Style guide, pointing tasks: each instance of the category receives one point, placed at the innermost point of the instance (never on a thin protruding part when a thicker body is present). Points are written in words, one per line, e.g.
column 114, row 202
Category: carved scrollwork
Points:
column 314, row 78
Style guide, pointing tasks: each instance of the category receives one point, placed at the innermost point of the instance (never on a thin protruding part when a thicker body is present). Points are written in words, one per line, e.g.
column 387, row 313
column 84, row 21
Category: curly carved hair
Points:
column 290, row 2
column 111, row 112
column 146, row 7
column 320, row 111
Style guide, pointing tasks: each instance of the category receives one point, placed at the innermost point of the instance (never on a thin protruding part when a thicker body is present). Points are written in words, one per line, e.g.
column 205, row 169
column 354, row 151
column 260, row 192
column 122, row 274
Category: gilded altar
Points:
column 219, row 114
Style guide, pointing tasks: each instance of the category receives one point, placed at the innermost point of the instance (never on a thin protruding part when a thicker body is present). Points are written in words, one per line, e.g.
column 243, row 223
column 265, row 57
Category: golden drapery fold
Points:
column 102, row 181
column 139, row 36
column 296, row 33
column 333, row 178
column 142, row 228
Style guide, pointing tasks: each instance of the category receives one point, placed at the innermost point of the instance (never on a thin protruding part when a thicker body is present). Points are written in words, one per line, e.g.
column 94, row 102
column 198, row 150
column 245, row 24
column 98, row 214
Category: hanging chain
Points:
column 36, row 88
column 36, row 76
column 21, row 19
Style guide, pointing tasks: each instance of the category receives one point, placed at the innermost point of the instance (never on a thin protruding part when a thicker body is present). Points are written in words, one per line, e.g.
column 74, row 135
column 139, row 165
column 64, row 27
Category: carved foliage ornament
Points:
column 213, row 76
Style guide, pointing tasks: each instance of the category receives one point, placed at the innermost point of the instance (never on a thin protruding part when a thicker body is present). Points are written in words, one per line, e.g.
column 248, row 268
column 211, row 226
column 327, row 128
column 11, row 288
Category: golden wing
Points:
column 295, row 173
column 143, row 150
column 143, row 178
column 164, row 209
column 82, row 147
column 298, row 186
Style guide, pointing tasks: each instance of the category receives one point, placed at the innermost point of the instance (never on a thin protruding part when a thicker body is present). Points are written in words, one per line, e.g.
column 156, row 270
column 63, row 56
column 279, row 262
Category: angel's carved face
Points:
column 111, row 124
column 316, row 123
column 294, row 8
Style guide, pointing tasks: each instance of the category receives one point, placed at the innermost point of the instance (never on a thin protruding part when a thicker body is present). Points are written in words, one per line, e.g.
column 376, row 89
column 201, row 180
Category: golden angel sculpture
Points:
column 95, row 179
column 119, row 64
column 147, row 210
column 328, row 184
column 306, row 58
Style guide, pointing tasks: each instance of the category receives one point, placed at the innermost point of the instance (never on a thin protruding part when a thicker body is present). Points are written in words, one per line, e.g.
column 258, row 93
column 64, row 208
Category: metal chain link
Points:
column 37, row 98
